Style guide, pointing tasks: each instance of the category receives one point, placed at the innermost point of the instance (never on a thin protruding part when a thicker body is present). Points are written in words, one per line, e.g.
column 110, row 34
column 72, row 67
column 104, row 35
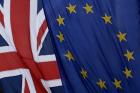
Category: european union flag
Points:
column 97, row 43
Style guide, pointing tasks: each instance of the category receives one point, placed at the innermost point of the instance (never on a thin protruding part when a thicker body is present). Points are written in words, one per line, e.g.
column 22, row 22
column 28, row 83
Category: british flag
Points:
column 27, row 59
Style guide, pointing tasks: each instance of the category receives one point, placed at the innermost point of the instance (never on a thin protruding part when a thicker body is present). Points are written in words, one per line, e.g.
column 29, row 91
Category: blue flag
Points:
column 97, row 43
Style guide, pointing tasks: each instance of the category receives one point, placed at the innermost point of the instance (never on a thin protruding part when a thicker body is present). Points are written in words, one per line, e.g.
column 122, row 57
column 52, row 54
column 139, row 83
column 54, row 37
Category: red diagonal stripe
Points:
column 1, row 18
column 41, row 33
column 26, row 90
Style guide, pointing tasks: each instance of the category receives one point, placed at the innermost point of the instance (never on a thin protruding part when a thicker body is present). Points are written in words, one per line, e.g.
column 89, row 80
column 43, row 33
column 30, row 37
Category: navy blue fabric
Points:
column 11, row 84
column 58, row 89
column 39, row 5
column 47, row 48
column 1, row 2
column 3, row 42
column 95, row 45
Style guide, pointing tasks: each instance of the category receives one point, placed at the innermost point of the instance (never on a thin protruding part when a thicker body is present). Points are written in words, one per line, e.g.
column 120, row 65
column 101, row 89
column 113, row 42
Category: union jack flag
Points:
column 27, row 59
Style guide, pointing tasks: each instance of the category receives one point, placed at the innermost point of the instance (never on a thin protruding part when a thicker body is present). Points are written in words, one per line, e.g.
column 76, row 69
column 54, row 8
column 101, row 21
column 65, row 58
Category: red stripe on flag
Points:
column 41, row 32
column 49, row 70
column 20, row 27
column 39, row 87
column 10, row 61
column 21, row 35
column 1, row 18
column 26, row 88
column 33, row 67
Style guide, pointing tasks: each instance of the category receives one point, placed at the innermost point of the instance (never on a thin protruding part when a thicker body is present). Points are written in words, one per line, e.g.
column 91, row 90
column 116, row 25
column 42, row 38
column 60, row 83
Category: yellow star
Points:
column 128, row 73
column 117, row 83
column 84, row 73
column 107, row 19
column 60, row 37
column 69, row 56
column 71, row 8
column 121, row 36
column 101, row 84
column 60, row 20
column 129, row 55
column 88, row 8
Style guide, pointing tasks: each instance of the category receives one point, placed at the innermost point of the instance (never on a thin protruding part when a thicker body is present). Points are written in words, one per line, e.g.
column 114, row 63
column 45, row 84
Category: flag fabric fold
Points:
column 97, row 44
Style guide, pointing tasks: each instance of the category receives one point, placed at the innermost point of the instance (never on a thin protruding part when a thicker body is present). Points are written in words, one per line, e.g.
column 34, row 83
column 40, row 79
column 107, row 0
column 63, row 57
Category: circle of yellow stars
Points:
column 107, row 19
